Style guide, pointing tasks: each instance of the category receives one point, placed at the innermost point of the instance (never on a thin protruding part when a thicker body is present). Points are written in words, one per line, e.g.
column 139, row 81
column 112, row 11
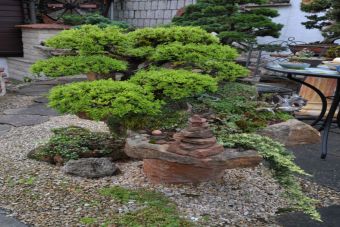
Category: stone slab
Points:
column 22, row 120
column 35, row 109
column 35, row 90
column 330, row 216
column 4, row 129
column 9, row 221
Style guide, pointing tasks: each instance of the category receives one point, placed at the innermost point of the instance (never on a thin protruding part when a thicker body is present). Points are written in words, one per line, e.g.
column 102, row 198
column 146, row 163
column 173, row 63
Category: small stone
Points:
column 156, row 132
column 90, row 167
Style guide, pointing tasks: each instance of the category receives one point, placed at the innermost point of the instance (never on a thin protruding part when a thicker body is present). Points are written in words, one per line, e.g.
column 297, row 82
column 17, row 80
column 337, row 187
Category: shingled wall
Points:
column 144, row 13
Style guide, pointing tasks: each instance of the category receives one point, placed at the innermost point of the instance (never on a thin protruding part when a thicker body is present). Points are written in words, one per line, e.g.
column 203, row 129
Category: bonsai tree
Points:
column 328, row 22
column 230, row 19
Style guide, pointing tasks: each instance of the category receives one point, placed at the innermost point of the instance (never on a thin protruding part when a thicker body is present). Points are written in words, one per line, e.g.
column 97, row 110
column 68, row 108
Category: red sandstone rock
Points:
column 164, row 172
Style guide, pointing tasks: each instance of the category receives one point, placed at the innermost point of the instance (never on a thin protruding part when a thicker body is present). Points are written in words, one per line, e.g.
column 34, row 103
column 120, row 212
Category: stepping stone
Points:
column 22, row 120
column 9, row 221
column 41, row 100
column 35, row 109
column 35, row 90
column 4, row 129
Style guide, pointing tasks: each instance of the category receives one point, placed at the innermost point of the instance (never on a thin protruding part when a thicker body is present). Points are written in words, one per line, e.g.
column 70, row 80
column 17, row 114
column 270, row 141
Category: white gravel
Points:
column 40, row 194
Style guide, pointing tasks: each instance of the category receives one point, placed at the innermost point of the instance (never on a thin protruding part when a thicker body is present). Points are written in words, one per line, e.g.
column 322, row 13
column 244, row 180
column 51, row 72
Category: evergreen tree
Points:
column 328, row 22
column 231, row 19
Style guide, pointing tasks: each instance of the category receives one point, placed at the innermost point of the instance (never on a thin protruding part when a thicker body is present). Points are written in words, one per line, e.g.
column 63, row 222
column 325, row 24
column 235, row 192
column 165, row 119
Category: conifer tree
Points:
column 329, row 20
column 231, row 19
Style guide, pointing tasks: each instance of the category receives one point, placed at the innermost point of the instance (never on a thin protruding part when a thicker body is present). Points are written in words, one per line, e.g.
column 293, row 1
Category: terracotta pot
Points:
column 318, row 49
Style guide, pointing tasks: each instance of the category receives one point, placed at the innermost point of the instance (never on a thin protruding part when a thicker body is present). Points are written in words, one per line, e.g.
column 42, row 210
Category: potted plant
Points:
column 307, row 56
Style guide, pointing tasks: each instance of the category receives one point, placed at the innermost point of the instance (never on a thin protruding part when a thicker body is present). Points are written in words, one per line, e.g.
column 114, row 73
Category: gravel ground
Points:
column 40, row 194
column 12, row 101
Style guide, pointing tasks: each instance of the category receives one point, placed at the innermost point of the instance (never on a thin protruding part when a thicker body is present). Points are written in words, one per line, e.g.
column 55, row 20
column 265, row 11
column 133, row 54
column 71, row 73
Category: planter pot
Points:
column 318, row 49
column 312, row 62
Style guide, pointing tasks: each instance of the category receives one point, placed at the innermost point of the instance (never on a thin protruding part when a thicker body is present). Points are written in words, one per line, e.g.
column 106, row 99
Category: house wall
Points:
column 145, row 13
column 32, row 36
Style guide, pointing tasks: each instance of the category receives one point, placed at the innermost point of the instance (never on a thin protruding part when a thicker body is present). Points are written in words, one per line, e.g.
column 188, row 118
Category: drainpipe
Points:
column 33, row 16
column 111, row 10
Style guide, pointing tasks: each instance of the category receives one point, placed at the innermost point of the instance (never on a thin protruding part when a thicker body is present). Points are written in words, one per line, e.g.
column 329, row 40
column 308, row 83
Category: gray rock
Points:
column 292, row 132
column 4, row 129
column 9, row 221
column 35, row 109
column 41, row 100
column 90, row 167
column 22, row 120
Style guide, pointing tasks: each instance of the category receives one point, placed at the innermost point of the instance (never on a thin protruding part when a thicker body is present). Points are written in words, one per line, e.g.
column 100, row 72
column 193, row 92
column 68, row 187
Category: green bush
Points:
column 174, row 84
column 153, row 37
column 91, row 39
column 103, row 98
column 214, row 59
column 93, row 19
column 75, row 142
column 75, row 65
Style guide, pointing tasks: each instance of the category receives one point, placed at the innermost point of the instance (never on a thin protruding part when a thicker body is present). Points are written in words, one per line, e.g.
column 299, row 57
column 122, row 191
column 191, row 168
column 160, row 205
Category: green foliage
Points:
column 75, row 65
column 281, row 162
column 226, row 18
column 152, row 37
column 88, row 220
column 159, row 210
column 333, row 52
column 102, row 98
column 214, row 59
column 236, row 106
column 325, row 16
column 75, row 142
column 174, row 84
column 93, row 19
column 91, row 39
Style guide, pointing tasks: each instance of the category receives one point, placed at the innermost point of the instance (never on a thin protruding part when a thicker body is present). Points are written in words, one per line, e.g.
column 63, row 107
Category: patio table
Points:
column 322, row 73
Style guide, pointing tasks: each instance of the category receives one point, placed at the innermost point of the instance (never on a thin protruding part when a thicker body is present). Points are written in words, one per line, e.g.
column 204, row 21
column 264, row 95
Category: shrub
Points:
column 93, row 19
column 102, row 98
column 75, row 142
column 214, row 59
column 75, row 65
column 164, row 35
column 228, row 17
column 91, row 39
column 174, row 84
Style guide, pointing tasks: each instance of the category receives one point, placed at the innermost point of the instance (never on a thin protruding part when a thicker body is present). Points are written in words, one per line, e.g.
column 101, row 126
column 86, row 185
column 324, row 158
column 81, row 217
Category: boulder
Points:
column 292, row 132
column 90, row 167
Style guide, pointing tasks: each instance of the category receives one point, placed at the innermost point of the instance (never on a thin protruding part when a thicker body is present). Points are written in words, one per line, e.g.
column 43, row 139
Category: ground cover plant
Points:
column 172, row 72
column 75, row 142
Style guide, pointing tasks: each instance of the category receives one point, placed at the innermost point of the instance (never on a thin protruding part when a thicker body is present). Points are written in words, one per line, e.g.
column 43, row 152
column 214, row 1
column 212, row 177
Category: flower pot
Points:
column 314, row 62
column 318, row 49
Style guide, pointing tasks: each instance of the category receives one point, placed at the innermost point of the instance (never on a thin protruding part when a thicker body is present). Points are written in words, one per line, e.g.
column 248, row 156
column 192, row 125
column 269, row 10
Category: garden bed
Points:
column 41, row 194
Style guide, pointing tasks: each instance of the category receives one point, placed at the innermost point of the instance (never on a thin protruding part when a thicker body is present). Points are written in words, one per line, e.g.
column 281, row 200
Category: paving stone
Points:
column 22, row 120
column 330, row 216
column 9, row 221
column 4, row 129
column 35, row 109
column 35, row 90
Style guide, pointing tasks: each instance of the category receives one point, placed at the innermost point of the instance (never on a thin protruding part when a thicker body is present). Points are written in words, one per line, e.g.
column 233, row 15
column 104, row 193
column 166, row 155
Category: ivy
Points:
column 281, row 162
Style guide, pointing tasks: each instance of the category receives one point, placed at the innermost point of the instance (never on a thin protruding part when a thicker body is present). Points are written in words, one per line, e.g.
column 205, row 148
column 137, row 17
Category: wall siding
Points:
column 148, row 12
column 11, row 14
